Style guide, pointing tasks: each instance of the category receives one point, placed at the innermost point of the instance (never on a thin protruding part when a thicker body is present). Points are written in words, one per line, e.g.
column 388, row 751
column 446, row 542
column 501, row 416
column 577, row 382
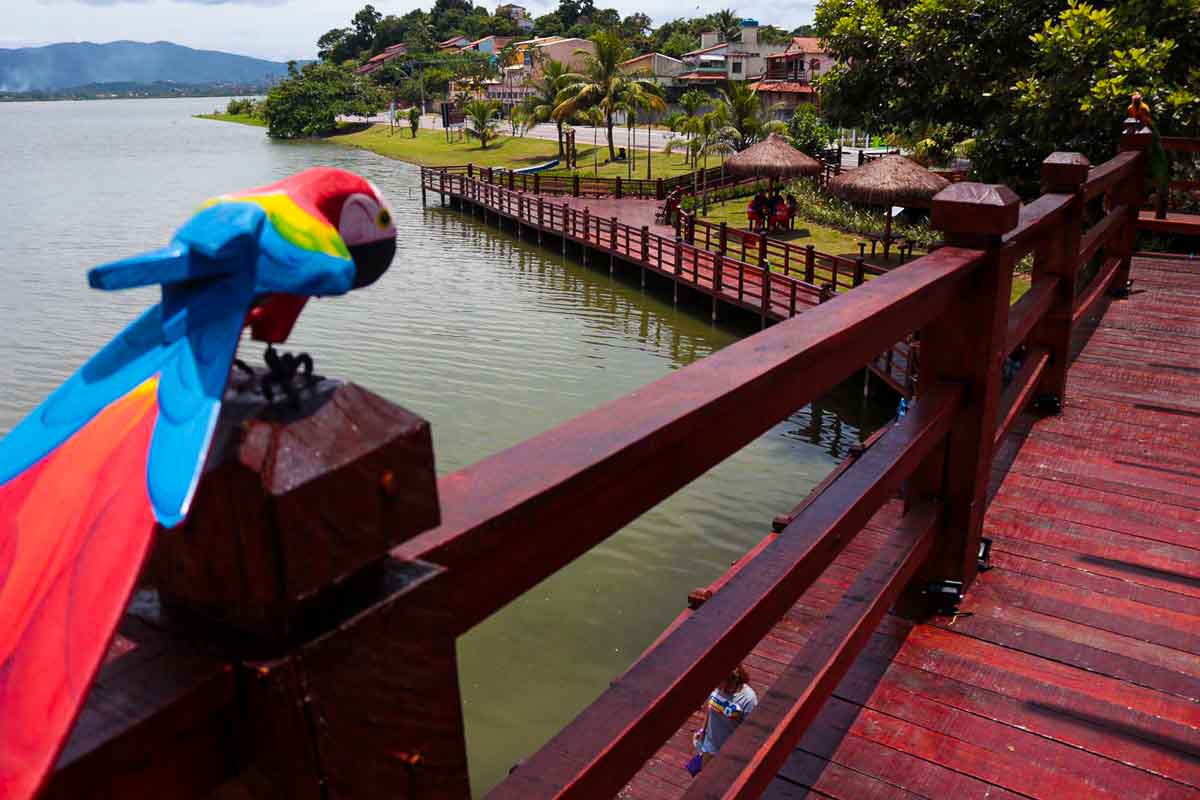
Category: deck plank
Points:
column 1076, row 674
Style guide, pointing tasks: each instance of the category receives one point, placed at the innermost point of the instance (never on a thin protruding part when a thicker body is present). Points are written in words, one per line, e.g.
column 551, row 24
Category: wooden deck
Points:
column 624, row 230
column 1073, row 671
column 1175, row 222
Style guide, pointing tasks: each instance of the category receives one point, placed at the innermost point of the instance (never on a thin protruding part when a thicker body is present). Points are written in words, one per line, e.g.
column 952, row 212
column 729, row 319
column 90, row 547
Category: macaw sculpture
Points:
column 119, row 448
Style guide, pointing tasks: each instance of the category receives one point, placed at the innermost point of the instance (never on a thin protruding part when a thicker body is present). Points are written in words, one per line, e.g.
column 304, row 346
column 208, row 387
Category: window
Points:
column 736, row 68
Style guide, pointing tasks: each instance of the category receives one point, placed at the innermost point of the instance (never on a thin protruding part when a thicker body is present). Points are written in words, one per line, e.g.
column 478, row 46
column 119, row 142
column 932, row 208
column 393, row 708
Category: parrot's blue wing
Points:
column 217, row 241
column 190, row 388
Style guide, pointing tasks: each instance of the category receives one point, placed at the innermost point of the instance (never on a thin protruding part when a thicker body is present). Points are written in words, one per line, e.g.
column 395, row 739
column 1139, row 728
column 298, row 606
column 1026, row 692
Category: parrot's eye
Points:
column 384, row 219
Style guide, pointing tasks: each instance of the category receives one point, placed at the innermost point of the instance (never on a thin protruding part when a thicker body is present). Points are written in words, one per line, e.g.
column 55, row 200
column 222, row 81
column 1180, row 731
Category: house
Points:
column 528, row 56
column 492, row 45
column 376, row 62
column 716, row 61
column 517, row 14
column 660, row 68
column 454, row 43
column 790, row 76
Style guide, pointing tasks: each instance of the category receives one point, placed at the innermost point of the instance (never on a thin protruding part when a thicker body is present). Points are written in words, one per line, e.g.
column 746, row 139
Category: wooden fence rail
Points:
column 732, row 280
column 502, row 528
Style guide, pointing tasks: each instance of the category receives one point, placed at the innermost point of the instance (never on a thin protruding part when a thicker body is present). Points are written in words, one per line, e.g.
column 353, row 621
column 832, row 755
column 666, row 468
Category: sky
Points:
column 284, row 29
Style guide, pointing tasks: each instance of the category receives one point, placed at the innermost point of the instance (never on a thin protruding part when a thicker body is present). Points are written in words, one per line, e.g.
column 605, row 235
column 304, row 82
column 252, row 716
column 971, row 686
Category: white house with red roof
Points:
column 790, row 77
column 716, row 61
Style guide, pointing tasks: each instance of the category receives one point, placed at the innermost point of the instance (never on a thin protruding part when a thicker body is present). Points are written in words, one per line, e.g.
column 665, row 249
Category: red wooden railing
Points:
column 517, row 517
column 579, row 185
column 1176, row 144
column 732, row 280
column 813, row 266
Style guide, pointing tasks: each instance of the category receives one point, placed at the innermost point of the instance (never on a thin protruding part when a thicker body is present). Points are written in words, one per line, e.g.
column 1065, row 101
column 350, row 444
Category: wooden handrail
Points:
column 624, row 726
column 502, row 529
column 754, row 754
column 603, row 469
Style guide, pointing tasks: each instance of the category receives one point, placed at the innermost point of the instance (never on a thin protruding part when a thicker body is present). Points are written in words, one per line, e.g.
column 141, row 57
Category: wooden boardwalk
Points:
column 624, row 229
column 1074, row 669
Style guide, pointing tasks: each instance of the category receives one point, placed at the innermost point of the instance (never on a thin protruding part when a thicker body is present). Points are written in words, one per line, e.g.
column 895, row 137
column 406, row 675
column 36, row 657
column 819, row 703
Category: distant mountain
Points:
column 63, row 66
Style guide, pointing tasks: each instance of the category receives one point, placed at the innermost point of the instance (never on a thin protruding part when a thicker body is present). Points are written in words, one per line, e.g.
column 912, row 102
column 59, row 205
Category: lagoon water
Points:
column 493, row 340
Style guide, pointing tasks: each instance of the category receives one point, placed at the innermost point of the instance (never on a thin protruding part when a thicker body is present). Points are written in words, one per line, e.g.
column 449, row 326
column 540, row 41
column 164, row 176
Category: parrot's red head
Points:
column 354, row 208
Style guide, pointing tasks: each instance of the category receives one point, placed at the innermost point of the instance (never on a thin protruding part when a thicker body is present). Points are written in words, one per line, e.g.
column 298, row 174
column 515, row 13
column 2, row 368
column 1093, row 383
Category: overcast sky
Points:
column 283, row 29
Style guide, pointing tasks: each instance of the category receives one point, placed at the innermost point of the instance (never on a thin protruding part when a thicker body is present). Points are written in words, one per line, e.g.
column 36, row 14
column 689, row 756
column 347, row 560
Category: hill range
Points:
column 57, row 68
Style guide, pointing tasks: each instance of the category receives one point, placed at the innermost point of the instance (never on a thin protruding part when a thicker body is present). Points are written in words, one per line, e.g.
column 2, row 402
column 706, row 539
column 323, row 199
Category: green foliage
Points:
column 309, row 102
column 744, row 116
column 1026, row 76
column 600, row 85
column 482, row 120
column 807, row 132
column 246, row 107
column 414, row 120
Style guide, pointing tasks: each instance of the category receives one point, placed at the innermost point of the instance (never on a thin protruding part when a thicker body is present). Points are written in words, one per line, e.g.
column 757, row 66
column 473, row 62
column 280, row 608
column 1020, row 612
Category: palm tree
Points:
column 691, row 102
column 743, row 113
column 594, row 117
column 544, row 100
column 600, row 83
column 727, row 23
column 482, row 120
column 642, row 94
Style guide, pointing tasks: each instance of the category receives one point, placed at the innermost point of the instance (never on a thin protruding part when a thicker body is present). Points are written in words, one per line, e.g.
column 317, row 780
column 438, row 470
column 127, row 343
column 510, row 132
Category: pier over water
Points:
column 998, row 597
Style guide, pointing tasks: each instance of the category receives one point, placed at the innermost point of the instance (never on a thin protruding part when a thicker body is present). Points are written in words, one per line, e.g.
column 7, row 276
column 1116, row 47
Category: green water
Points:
column 493, row 340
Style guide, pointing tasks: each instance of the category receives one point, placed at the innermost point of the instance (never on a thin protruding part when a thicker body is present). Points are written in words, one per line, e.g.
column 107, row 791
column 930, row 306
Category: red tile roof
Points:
column 787, row 87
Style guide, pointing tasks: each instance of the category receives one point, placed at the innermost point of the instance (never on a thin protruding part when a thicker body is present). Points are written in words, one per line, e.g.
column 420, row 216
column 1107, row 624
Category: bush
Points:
column 309, row 101
column 808, row 132
column 244, row 107
column 823, row 209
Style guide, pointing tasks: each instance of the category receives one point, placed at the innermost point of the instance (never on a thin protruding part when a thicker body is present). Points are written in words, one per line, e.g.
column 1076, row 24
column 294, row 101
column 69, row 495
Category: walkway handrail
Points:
column 517, row 517
column 747, row 284
column 1176, row 144
column 816, row 267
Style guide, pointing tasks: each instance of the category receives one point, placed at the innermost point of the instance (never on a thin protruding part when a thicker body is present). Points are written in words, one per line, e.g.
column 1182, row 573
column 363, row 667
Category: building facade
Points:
column 790, row 77
column 716, row 61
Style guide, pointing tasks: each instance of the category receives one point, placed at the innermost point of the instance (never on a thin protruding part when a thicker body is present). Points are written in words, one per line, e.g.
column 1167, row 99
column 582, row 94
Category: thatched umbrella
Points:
column 889, row 181
column 774, row 158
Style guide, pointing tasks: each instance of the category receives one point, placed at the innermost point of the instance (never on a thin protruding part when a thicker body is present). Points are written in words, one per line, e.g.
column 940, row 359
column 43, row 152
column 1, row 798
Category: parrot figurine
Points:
column 1159, row 166
column 119, row 447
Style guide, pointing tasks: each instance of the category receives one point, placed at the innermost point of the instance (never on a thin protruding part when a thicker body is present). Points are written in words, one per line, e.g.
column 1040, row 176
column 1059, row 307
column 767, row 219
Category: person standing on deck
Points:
column 727, row 706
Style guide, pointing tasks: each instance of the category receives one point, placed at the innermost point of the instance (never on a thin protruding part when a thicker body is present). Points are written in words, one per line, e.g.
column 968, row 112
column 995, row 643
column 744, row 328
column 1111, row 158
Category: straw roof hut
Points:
column 773, row 157
column 889, row 181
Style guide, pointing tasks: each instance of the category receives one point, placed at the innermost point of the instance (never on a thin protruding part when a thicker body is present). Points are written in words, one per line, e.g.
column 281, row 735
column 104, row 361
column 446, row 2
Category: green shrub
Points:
column 309, row 101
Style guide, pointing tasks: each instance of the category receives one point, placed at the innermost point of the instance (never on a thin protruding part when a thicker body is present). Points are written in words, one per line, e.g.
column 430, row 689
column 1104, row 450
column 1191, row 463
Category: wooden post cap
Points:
column 1135, row 135
column 293, row 505
column 981, row 209
column 1064, row 172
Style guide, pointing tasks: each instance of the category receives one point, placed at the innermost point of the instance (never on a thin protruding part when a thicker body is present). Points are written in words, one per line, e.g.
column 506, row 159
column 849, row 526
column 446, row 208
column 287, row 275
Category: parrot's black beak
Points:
column 372, row 260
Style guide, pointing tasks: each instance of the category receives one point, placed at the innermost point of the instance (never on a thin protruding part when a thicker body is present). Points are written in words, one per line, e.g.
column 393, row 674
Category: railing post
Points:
column 575, row 186
column 645, row 244
column 470, row 170
column 537, row 183
column 1062, row 173
column 810, row 256
column 691, row 229
column 1132, row 193
column 723, row 243
column 618, row 188
column 658, row 189
column 966, row 345
column 766, row 292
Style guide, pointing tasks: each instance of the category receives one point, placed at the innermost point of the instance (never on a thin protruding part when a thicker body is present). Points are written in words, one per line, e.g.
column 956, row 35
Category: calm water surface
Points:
column 491, row 339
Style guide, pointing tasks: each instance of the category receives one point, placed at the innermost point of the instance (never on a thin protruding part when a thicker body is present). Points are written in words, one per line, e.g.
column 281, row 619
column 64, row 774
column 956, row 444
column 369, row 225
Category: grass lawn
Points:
column 430, row 149
column 243, row 119
column 826, row 240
